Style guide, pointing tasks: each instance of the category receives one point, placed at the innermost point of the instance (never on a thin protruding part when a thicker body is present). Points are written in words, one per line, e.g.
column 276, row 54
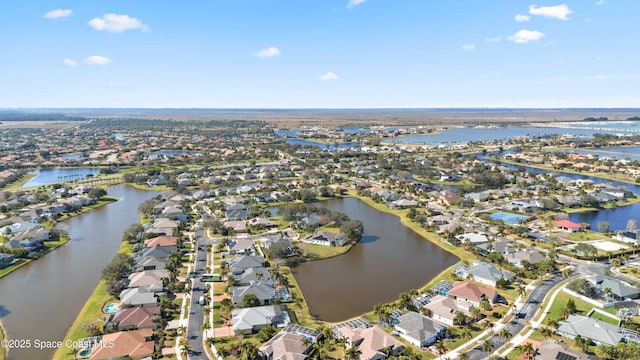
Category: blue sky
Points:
column 319, row 53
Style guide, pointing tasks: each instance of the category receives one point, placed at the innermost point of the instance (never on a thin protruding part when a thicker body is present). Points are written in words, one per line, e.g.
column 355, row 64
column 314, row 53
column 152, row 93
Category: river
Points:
column 41, row 300
column 389, row 259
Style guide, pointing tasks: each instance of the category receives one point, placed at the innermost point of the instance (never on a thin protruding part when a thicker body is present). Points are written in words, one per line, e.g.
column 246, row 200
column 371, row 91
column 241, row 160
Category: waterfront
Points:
column 52, row 176
column 40, row 300
column 389, row 259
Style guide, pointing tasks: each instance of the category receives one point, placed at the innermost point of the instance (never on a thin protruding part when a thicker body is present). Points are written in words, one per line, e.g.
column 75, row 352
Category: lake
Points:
column 52, row 176
column 330, row 147
column 389, row 259
column 465, row 135
column 41, row 299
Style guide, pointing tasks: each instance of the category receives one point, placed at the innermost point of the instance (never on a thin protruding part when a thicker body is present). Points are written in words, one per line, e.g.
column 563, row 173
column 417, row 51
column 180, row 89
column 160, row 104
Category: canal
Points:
column 389, row 259
column 41, row 300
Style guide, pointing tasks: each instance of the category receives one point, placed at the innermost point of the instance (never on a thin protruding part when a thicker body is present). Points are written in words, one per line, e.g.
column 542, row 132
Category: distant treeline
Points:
column 602, row 118
column 25, row 116
column 635, row 118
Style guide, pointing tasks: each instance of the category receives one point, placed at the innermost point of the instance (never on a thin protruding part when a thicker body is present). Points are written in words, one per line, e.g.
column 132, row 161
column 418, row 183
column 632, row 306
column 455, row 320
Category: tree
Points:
column 546, row 332
column 250, row 300
column 464, row 356
column 466, row 334
column 488, row 346
column 97, row 193
column 604, row 227
column 582, row 343
column 185, row 348
column 248, row 350
column 441, row 347
column 266, row 333
column 352, row 353
column 504, row 334
column 460, row 319
column 352, row 230
column 528, row 349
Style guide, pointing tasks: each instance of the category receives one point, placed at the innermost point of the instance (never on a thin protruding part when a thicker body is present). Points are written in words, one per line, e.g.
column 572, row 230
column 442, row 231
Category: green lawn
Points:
column 317, row 252
column 582, row 306
column 9, row 269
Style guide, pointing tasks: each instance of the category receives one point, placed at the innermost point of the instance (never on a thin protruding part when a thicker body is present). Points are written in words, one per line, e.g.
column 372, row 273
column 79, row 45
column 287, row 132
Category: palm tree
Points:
column 546, row 332
column 504, row 334
column 528, row 350
column 463, row 356
column 352, row 353
column 488, row 346
column 185, row 348
column 248, row 350
column 305, row 342
column 521, row 290
column 441, row 347
column 466, row 334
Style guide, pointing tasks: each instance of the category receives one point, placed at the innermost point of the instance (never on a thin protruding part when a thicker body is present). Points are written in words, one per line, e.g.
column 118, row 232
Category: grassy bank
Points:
column 48, row 247
column 91, row 311
column 3, row 351
column 18, row 183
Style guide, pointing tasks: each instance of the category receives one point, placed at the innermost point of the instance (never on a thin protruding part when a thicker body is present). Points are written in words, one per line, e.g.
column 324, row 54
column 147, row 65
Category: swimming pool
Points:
column 508, row 217
column 110, row 308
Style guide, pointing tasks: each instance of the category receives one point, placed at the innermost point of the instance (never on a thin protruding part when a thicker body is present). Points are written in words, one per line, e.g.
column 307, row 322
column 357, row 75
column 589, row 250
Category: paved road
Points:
column 194, row 329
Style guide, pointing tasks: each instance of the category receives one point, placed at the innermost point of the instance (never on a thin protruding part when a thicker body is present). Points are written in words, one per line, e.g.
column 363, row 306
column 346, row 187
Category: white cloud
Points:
column 522, row 18
column 596, row 77
column 97, row 60
column 468, row 47
column 268, row 52
column 601, row 2
column 560, row 12
column 354, row 3
column 329, row 76
column 117, row 23
column 59, row 13
column 69, row 63
column 524, row 36
column 493, row 39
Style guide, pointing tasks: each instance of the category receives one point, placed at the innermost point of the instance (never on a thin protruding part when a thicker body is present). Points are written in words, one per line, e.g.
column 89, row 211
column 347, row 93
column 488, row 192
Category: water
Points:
column 390, row 259
column 330, row 147
column 41, row 300
column 609, row 125
column 618, row 153
column 52, row 176
column 616, row 217
column 465, row 135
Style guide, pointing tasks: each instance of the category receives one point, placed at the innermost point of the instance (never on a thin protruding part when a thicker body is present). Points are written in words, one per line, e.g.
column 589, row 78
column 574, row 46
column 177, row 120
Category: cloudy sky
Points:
column 319, row 53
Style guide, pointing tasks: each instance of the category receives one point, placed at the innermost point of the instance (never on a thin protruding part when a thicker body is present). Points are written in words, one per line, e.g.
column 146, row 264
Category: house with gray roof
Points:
column 251, row 320
column 6, row 260
column 596, row 330
column 265, row 293
column 418, row 329
column 138, row 296
column 617, row 290
column 486, row 273
column 251, row 275
column 530, row 256
column 239, row 264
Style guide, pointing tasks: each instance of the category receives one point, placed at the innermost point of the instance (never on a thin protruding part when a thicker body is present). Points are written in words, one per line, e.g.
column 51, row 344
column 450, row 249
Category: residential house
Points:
column 251, row 275
column 239, row 264
column 139, row 296
column 530, row 256
column 557, row 350
column 251, row 320
column 161, row 241
column 163, row 226
column 285, row 346
column 286, row 244
column 147, row 278
column 6, row 260
column 418, row 329
column 264, row 291
column 617, row 290
column 466, row 292
column 596, row 330
column 241, row 246
column 472, row 238
column 402, row 204
column 137, row 344
column 262, row 223
column 567, row 225
column 487, row 274
column 444, row 308
column 324, row 238
column 133, row 318
column 239, row 226
column 372, row 342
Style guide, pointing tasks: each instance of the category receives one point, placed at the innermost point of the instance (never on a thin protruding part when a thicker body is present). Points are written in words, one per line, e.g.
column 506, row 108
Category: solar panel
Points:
column 565, row 356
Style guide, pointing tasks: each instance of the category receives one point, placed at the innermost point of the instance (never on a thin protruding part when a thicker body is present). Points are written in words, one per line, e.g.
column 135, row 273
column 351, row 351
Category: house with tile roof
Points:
column 133, row 318
column 463, row 291
column 137, row 344
column 371, row 342
column 285, row 346
column 444, row 308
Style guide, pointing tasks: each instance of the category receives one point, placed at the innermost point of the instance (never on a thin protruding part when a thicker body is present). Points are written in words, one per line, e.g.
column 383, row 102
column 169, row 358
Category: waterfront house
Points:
column 444, row 308
column 472, row 238
column 596, row 330
column 402, row 204
column 485, row 273
column 418, row 329
column 285, row 346
column 6, row 260
column 372, row 342
column 139, row 296
column 567, row 225
column 137, row 344
column 133, row 318
column 262, row 223
column 286, row 244
column 251, row 320
column 264, row 291
column 161, row 241
column 147, row 278
column 466, row 292
column 324, row 238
